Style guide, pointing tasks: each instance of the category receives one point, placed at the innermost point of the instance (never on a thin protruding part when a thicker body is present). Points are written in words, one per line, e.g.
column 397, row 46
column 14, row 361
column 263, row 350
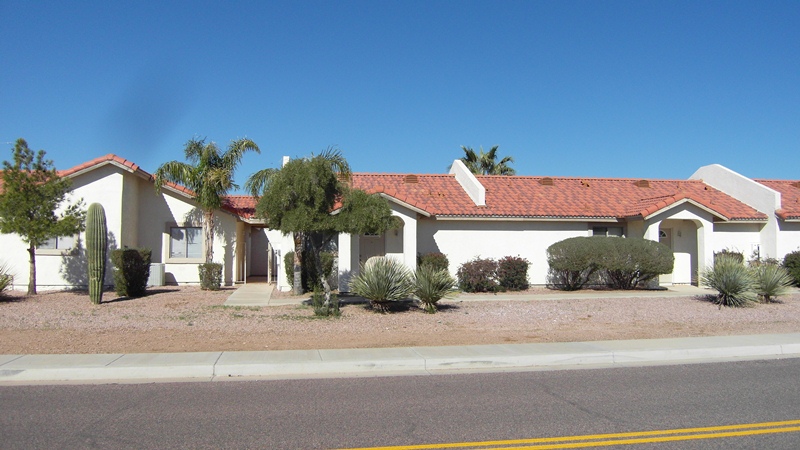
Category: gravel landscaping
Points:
column 186, row 319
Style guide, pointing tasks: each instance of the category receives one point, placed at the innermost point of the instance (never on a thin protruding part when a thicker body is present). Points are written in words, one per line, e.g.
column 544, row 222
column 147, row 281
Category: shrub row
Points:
column 487, row 275
column 619, row 263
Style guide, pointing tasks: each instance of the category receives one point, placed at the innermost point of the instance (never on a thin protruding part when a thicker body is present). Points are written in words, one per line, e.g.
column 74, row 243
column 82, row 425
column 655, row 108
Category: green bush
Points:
column 309, row 269
column 434, row 259
column 512, row 273
column 478, row 275
column 792, row 264
column 323, row 310
column 382, row 280
column 431, row 285
column 733, row 282
column 210, row 276
column 630, row 262
column 573, row 262
column 622, row 263
column 131, row 271
column 771, row 280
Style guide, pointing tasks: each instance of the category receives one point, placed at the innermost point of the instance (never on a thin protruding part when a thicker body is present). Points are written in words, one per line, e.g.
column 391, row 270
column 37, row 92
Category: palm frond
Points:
column 233, row 156
column 258, row 183
column 176, row 172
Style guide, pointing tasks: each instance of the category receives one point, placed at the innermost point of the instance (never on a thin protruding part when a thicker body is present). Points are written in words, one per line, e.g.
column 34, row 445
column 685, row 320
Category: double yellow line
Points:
column 600, row 440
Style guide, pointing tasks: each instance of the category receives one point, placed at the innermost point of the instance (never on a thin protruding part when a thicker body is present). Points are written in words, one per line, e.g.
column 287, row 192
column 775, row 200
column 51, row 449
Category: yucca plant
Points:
column 732, row 280
column 431, row 285
column 6, row 278
column 382, row 280
column 771, row 281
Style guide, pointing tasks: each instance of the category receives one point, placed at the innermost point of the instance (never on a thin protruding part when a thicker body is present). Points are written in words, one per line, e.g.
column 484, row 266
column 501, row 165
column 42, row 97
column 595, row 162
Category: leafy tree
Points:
column 32, row 191
column 209, row 174
column 301, row 198
column 485, row 163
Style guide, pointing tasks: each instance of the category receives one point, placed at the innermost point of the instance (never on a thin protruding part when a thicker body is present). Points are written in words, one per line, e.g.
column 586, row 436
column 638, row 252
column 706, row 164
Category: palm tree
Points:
column 209, row 175
column 485, row 163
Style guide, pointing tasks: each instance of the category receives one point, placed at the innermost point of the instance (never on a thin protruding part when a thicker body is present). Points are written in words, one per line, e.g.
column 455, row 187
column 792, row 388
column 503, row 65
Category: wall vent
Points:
column 546, row 181
column 796, row 184
column 643, row 183
column 584, row 183
column 411, row 179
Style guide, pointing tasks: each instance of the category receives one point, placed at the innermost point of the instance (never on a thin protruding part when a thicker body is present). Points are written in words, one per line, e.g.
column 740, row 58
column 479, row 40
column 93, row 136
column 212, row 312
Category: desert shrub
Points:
column 323, row 310
column 739, row 256
column 431, row 285
column 310, row 278
column 512, row 273
column 6, row 278
column 478, row 275
column 630, row 262
column 436, row 260
column 573, row 262
column 771, row 280
column 210, row 276
column 382, row 280
column 791, row 262
column 131, row 271
column 733, row 282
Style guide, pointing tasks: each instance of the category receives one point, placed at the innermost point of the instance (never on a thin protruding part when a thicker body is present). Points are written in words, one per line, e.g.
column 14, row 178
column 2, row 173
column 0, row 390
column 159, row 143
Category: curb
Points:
column 284, row 364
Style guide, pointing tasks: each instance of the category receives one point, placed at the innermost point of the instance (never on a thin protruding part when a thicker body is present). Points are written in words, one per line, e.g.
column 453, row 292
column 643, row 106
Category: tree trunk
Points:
column 297, row 286
column 322, row 278
column 32, row 275
column 208, row 231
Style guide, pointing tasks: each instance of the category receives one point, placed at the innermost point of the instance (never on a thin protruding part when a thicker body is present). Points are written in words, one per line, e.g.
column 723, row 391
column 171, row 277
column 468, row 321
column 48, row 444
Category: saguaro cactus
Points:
column 96, row 247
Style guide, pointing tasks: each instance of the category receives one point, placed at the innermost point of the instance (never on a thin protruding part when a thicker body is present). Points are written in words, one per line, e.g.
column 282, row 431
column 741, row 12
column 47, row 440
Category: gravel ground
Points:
column 186, row 319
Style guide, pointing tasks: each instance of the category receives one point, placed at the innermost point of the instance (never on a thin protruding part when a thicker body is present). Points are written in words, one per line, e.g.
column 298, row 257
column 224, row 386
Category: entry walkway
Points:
column 251, row 294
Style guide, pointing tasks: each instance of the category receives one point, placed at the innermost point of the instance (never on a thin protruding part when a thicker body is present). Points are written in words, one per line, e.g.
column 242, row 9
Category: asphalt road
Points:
column 398, row 411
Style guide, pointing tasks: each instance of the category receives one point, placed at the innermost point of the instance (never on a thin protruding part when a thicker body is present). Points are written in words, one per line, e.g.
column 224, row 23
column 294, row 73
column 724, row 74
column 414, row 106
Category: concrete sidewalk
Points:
column 211, row 366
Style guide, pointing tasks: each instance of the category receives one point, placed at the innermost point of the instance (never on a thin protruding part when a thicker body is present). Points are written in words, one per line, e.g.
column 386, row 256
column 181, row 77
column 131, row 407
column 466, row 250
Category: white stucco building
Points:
column 459, row 214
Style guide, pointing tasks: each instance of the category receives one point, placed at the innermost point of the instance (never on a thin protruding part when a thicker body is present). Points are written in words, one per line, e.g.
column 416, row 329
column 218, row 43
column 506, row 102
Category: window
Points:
column 59, row 243
column 185, row 242
column 607, row 231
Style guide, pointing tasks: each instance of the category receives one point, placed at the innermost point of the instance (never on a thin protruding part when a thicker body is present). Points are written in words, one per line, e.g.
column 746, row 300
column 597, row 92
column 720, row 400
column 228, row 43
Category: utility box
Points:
column 156, row 277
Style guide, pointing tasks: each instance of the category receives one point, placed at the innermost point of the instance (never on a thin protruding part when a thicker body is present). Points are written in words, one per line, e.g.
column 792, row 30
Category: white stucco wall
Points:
column 788, row 238
column 756, row 195
column 462, row 241
column 57, row 269
column 739, row 237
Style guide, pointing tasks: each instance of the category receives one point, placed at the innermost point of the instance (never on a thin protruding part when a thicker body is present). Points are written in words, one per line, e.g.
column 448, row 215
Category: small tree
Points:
column 301, row 198
column 32, row 192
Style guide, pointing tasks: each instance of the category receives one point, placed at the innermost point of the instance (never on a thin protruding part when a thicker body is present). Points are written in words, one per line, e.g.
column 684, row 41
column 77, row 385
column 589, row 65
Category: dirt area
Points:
column 186, row 319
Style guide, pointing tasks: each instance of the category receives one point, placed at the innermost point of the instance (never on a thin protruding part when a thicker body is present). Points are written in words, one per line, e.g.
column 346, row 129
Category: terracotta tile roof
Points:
column 109, row 158
column 525, row 197
column 790, row 197
column 434, row 194
column 242, row 205
column 557, row 198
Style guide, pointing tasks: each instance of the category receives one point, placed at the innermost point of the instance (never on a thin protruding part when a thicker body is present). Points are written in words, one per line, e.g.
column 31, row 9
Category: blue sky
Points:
column 568, row 88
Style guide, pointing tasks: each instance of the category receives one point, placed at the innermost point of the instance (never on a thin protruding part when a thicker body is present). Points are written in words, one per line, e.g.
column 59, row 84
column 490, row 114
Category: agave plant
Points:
column 382, row 280
column 732, row 280
column 432, row 285
column 6, row 278
column 771, row 281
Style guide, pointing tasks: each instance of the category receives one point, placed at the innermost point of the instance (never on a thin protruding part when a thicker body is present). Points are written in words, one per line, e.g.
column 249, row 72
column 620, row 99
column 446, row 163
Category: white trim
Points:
column 528, row 219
